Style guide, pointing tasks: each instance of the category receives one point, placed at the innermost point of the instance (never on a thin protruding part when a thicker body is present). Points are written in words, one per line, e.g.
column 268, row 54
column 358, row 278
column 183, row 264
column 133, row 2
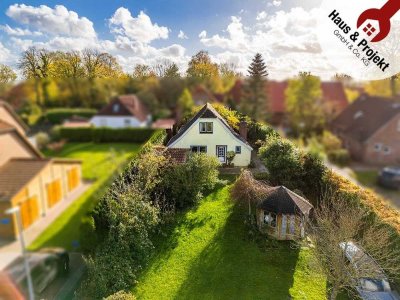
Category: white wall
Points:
column 221, row 136
column 117, row 122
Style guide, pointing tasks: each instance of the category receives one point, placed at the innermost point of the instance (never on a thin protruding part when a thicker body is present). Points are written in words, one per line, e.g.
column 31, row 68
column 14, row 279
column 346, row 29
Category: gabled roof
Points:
column 18, row 172
column 7, row 128
column 129, row 105
column 365, row 116
column 209, row 112
column 14, row 114
column 281, row 200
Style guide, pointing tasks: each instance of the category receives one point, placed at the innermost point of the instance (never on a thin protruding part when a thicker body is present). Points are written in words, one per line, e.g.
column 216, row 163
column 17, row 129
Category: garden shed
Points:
column 283, row 213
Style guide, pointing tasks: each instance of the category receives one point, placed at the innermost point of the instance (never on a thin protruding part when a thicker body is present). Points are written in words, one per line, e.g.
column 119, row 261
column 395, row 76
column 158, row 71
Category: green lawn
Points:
column 367, row 178
column 208, row 256
column 100, row 162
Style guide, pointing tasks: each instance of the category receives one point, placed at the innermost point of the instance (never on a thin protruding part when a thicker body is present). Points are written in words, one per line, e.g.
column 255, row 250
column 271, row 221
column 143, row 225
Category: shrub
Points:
column 59, row 115
column 106, row 135
column 42, row 140
column 258, row 132
column 121, row 295
column 230, row 156
column 331, row 142
column 188, row 181
column 283, row 161
column 340, row 157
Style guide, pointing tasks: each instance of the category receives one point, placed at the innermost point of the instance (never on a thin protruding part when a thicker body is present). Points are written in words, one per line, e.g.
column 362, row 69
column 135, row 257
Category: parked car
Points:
column 389, row 177
column 376, row 287
column 45, row 266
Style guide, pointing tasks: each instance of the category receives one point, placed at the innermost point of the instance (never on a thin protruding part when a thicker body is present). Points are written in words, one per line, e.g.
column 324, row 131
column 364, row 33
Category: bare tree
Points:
column 340, row 222
column 7, row 75
column 37, row 64
column 249, row 190
column 166, row 69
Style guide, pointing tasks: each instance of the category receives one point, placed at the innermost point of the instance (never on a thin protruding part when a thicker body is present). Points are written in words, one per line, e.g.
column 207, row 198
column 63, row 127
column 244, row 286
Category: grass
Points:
column 100, row 162
column 367, row 178
column 208, row 255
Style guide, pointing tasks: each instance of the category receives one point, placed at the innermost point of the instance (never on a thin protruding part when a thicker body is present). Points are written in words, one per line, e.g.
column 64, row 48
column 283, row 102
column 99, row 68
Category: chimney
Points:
column 169, row 133
column 243, row 129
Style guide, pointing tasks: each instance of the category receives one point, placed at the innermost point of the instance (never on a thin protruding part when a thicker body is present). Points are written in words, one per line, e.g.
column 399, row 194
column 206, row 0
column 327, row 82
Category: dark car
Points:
column 389, row 177
column 45, row 266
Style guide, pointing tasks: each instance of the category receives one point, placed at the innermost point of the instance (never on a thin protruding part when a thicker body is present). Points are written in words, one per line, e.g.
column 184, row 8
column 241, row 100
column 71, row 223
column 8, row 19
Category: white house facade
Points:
column 123, row 112
column 208, row 132
column 118, row 121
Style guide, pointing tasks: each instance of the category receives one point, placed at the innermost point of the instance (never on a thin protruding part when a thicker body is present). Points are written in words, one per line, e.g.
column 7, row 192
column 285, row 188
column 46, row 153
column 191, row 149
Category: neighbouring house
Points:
column 283, row 214
column 201, row 95
column 334, row 99
column 8, row 115
column 163, row 124
column 122, row 112
column 208, row 132
column 76, row 121
column 29, row 180
column 370, row 129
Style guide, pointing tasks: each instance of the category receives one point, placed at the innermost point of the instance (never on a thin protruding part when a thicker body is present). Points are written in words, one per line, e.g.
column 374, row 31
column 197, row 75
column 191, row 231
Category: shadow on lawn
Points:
column 233, row 267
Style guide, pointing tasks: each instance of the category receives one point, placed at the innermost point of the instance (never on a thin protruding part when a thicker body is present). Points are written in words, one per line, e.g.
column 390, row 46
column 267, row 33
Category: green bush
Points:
column 42, row 140
column 106, row 135
column 340, row 157
column 59, row 115
column 258, row 132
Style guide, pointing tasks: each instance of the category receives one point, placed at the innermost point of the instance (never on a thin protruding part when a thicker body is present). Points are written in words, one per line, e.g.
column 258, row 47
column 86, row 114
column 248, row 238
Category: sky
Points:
column 150, row 31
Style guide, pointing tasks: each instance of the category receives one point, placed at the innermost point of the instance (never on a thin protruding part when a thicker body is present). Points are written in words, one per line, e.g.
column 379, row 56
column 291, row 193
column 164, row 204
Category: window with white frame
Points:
column 238, row 149
column 127, row 122
column 378, row 147
column 116, row 107
column 206, row 127
column 198, row 149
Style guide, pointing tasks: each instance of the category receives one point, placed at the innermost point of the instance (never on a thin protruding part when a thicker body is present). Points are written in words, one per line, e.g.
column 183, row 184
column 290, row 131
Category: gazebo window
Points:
column 270, row 219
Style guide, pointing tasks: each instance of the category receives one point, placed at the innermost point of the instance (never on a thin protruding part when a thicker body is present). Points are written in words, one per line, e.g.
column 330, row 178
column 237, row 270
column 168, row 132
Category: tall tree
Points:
column 7, row 75
column 185, row 104
column 143, row 72
column 303, row 102
column 166, row 69
column 37, row 64
column 202, row 70
column 256, row 103
column 68, row 66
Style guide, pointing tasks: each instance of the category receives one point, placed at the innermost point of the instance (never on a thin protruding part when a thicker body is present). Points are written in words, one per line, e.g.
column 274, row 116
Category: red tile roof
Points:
column 178, row 155
column 130, row 105
column 164, row 124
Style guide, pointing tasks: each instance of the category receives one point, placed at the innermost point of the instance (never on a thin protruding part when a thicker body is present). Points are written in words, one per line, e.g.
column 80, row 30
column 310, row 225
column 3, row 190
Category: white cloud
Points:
column 261, row 16
column 4, row 53
column 55, row 21
column 275, row 3
column 182, row 35
column 139, row 29
column 16, row 31
column 283, row 38
column 203, row 34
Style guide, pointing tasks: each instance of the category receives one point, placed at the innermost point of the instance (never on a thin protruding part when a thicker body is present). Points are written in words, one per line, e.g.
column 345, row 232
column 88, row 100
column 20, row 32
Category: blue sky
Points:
column 147, row 31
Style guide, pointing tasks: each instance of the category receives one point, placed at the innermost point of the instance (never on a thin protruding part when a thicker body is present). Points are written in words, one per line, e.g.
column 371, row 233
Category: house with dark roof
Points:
column 122, row 112
column 30, row 181
column 208, row 132
column 334, row 99
column 283, row 214
column 370, row 129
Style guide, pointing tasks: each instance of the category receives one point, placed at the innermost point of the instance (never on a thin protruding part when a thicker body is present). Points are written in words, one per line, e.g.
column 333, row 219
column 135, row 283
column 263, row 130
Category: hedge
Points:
column 106, row 135
column 59, row 115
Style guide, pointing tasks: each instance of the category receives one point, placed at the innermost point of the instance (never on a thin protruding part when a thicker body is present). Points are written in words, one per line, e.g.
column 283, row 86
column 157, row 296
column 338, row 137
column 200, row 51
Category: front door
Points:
column 221, row 154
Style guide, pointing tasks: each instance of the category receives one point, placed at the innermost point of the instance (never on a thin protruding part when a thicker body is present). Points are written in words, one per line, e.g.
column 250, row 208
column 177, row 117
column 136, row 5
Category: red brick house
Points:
column 370, row 129
column 333, row 98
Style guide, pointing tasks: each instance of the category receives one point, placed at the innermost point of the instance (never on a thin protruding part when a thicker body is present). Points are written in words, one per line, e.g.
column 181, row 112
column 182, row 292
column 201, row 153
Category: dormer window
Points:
column 206, row 127
column 116, row 107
